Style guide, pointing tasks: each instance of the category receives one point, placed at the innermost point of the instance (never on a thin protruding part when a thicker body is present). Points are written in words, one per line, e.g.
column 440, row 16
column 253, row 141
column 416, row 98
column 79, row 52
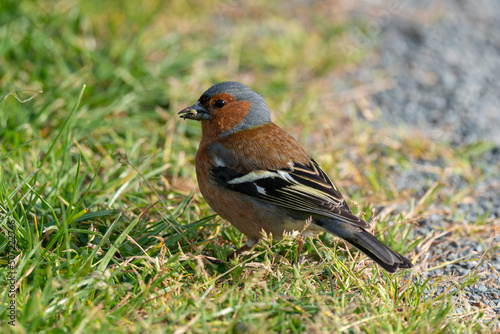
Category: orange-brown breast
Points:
column 263, row 147
column 250, row 216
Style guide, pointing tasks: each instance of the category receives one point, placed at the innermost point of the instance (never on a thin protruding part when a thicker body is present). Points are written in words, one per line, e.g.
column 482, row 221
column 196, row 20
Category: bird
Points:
column 255, row 175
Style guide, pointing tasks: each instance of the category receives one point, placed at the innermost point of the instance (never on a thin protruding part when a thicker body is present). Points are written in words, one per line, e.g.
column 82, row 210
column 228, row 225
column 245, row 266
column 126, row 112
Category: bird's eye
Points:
column 219, row 103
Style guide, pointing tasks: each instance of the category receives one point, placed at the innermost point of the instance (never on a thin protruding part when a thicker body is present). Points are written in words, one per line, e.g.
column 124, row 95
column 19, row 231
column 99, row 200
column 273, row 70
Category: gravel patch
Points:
column 443, row 61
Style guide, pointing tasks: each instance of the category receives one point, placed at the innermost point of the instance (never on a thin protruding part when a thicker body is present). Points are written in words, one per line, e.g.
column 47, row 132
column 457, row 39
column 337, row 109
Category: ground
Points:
column 442, row 59
column 104, row 229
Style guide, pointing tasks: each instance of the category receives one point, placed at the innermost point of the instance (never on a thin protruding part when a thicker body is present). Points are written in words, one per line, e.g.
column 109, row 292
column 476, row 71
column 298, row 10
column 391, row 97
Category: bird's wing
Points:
column 300, row 187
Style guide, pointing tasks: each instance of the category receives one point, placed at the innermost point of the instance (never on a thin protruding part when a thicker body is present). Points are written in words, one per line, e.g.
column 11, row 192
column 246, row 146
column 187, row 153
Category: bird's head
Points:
column 228, row 107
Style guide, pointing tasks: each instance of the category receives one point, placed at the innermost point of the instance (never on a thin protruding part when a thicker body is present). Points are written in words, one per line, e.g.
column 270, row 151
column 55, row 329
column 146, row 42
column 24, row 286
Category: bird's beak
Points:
column 196, row 112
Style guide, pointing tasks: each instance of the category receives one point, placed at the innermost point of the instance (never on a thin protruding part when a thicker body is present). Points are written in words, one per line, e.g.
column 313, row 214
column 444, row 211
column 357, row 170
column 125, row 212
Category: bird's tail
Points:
column 371, row 246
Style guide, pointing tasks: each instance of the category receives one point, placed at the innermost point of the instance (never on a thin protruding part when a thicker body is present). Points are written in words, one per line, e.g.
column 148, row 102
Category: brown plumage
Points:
column 258, row 177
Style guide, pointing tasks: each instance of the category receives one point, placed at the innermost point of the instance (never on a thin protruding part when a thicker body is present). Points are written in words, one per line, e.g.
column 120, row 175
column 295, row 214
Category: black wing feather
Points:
column 301, row 187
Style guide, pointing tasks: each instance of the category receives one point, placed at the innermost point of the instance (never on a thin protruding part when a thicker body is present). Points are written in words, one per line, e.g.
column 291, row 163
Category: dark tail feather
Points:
column 371, row 246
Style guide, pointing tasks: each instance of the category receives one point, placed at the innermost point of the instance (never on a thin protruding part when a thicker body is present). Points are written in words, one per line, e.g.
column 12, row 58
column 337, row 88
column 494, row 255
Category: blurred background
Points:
column 398, row 101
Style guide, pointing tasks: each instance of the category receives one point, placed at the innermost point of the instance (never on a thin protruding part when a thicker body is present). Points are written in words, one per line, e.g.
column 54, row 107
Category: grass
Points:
column 97, row 176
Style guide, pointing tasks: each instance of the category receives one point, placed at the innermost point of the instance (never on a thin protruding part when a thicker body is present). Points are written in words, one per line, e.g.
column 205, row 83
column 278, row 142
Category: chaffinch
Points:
column 258, row 177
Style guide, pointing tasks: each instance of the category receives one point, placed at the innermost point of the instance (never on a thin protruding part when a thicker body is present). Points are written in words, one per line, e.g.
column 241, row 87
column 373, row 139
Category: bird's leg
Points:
column 301, row 243
column 301, row 237
column 248, row 246
column 238, row 252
